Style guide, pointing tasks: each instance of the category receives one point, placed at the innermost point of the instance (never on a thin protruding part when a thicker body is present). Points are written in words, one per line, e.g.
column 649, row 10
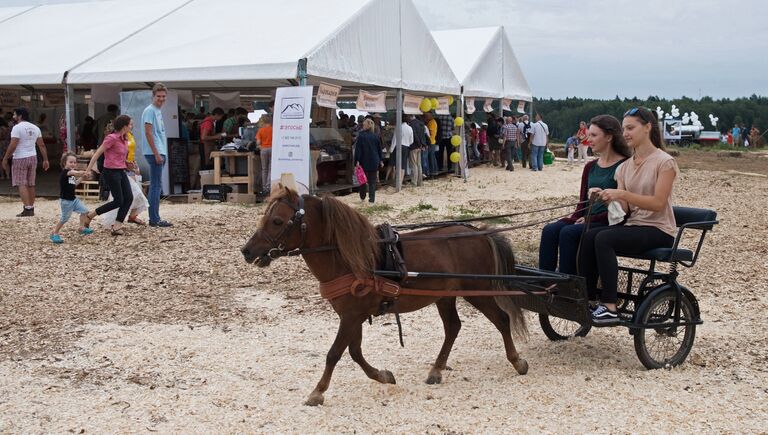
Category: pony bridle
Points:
column 278, row 242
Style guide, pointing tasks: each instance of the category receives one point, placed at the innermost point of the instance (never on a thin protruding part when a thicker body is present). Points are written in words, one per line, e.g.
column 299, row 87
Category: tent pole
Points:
column 302, row 73
column 69, row 102
column 464, row 162
column 398, row 139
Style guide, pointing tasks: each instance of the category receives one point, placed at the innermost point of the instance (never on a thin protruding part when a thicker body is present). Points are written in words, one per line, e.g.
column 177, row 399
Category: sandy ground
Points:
column 170, row 331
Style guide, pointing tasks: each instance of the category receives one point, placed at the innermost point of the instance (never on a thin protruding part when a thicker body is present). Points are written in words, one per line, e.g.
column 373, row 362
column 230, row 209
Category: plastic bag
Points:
column 360, row 175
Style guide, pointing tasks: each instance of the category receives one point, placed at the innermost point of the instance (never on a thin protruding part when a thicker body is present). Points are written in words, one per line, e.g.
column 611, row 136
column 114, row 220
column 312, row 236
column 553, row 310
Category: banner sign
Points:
column 470, row 103
column 9, row 98
column 290, row 135
column 327, row 94
column 54, row 99
column 225, row 100
column 488, row 105
column 443, row 106
column 411, row 104
column 506, row 104
column 375, row 102
column 521, row 107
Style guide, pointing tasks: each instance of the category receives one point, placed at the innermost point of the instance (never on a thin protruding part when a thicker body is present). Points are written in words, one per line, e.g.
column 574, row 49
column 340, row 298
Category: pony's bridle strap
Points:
column 278, row 242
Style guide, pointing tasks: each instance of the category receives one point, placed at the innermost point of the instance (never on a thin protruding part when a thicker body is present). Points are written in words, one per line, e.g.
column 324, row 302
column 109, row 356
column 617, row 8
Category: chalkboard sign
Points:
column 178, row 162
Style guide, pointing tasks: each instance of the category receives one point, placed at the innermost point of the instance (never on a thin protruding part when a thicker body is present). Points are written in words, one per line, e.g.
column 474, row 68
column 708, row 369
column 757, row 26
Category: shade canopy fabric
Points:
column 350, row 42
column 11, row 11
column 44, row 42
column 484, row 62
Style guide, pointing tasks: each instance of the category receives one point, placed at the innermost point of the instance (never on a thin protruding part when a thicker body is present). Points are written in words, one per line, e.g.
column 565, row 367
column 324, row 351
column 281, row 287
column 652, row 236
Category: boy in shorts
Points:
column 69, row 202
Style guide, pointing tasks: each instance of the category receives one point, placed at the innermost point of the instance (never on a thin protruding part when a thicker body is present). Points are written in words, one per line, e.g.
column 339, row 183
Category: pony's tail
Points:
column 505, row 265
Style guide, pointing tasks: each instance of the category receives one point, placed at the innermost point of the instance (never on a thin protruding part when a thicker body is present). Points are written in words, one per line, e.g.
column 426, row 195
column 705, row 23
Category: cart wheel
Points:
column 664, row 346
column 557, row 329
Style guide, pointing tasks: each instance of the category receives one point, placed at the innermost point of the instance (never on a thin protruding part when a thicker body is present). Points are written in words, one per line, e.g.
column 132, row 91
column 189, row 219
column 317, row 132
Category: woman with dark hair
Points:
column 605, row 136
column 644, row 191
column 115, row 150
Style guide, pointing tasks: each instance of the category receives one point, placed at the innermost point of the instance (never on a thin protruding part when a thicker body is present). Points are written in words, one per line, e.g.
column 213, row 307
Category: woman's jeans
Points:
column 563, row 237
column 370, row 186
column 122, row 197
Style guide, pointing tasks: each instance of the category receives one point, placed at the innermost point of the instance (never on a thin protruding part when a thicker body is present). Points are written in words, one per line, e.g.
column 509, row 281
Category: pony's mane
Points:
column 353, row 235
column 345, row 228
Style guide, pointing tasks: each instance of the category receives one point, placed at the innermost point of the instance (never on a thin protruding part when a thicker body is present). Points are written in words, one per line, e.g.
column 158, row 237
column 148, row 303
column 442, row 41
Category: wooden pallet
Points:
column 87, row 189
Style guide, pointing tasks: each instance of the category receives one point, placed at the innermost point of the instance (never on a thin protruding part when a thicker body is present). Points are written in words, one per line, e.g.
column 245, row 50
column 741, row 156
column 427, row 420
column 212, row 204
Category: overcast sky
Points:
column 603, row 48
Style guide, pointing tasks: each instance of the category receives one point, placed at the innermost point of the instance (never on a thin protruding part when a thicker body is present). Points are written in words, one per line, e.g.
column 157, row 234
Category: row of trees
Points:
column 563, row 116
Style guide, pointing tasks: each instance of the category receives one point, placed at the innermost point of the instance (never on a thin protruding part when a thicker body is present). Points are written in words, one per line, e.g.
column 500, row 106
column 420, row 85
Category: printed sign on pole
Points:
column 470, row 105
column 327, row 94
column 290, row 135
column 443, row 106
column 505, row 104
column 375, row 102
column 488, row 105
column 411, row 104
column 521, row 107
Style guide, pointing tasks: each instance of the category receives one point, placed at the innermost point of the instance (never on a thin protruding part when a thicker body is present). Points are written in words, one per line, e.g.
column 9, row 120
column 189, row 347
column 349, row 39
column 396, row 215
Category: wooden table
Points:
column 231, row 156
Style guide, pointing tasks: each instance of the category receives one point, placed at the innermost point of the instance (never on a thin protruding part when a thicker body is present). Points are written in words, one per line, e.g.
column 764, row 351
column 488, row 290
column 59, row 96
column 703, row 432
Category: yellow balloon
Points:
column 425, row 105
column 459, row 121
column 450, row 99
column 455, row 157
column 434, row 102
column 455, row 140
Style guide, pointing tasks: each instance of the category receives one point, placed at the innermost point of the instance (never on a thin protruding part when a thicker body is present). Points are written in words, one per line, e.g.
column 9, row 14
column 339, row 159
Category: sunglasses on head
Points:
column 635, row 111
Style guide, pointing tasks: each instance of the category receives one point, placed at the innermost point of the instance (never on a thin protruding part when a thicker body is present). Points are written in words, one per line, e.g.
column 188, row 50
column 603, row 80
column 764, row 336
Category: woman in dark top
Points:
column 368, row 155
column 605, row 136
column 115, row 150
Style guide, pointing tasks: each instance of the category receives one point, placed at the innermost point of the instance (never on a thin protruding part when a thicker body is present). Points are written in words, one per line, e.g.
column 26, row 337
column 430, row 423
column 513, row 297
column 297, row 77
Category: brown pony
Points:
column 313, row 225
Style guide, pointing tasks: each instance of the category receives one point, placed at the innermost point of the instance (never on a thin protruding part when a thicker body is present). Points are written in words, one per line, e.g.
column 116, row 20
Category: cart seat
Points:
column 685, row 217
column 665, row 254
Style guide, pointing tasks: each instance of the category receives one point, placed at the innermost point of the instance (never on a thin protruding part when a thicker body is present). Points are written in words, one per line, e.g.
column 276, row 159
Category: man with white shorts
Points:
column 24, row 137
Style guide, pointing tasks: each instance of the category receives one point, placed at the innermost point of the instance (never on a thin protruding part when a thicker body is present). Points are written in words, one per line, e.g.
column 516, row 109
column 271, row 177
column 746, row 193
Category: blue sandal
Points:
column 55, row 238
column 86, row 231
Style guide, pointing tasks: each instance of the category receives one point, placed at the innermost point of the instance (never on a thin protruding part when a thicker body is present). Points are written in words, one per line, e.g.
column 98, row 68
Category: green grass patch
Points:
column 375, row 209
column 421, row 206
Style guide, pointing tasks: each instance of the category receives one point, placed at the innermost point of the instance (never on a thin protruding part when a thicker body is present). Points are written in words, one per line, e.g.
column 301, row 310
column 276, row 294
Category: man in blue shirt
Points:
column 155, row 149
column 736, row 133
column 570, row 146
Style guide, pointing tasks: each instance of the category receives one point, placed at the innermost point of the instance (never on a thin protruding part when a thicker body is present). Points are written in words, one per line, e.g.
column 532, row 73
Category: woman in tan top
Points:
column 644, row 190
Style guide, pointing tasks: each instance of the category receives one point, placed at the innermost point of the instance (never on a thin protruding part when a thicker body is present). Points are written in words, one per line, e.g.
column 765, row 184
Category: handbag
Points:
column 360, row 174
column 501, row 141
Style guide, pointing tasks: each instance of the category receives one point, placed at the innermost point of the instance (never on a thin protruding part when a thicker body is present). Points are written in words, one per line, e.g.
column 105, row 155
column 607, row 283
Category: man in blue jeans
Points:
column 155, row 149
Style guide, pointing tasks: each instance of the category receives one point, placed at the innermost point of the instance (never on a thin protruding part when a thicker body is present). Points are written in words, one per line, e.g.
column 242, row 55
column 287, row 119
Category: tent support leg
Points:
column 398, row 139
column 69, row 101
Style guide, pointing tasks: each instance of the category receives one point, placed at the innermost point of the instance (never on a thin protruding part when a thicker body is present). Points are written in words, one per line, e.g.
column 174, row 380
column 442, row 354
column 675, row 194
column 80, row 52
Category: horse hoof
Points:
column 315, row 399
column 521, row 366
column 434, row 379
column 387, row 377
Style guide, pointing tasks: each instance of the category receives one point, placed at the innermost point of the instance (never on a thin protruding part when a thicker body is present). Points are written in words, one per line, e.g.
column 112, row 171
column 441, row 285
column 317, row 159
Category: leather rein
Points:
column 350, row 284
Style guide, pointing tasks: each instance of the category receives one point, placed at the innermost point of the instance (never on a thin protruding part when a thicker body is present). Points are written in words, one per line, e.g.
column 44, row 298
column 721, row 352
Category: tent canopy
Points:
column 11, row 11
column 44, row 42
column 484, row 62
column 350, row 42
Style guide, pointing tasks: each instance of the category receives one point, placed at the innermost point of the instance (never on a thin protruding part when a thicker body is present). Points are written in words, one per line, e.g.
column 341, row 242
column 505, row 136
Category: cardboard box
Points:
column 241, row 198
column 206, row 177
column 195, row 197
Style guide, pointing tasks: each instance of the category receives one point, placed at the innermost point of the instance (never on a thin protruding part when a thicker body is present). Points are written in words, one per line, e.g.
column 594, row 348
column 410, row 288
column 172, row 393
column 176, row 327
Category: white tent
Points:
column 484, row 62
column 44, row 42
column 6, row 13
column 382, row 43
